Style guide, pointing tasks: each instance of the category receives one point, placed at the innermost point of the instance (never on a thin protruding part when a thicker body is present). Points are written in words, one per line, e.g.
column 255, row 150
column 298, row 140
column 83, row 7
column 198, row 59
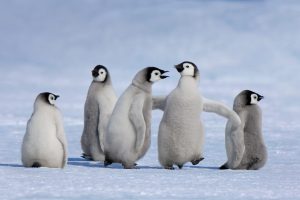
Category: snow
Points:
column 53, row 45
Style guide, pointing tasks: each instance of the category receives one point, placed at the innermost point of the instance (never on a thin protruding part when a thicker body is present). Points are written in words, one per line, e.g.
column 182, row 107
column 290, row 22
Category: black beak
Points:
column 260, row 97
column 163, row 77
column 56, row 96
column 179, row 67
column 95, row 73
column 162, row 72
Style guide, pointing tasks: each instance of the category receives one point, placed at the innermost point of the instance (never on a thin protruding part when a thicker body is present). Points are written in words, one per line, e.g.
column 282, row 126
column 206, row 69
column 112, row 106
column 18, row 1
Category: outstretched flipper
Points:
column 238, row 148
column 223, row 110
column 159, row 102
column 234, row 135
column 235, row 139
column 137, row 119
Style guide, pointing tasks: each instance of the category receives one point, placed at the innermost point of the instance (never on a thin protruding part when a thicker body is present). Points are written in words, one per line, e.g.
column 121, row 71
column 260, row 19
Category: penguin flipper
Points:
column 223, row 110
column 159, row 102
column 234, row 128
column 137, row 119
column 101, row 121
column 60, row 134
column 236, row 141
column 238, row 148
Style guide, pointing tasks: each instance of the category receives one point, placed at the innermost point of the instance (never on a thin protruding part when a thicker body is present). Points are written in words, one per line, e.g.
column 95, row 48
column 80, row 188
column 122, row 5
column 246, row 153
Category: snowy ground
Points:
column 53, row 45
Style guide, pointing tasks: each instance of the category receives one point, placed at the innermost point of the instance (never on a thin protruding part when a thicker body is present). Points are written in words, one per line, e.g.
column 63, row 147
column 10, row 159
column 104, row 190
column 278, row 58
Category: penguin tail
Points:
column 196, row 162
column 223, row 167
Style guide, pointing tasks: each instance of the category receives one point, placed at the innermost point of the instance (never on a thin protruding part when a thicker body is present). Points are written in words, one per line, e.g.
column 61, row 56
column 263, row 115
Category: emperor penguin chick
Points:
column 129, row 129
column 44, row 144
column 181, row 131
column 245, row 148
column 99, row 104
column 180, row 136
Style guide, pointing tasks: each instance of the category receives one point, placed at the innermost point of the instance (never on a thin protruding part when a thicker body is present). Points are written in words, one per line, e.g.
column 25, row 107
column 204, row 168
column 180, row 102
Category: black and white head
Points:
column 49, row 98
column 154, row 74
column 248, row 97
column 100, row 73
column 187, row 68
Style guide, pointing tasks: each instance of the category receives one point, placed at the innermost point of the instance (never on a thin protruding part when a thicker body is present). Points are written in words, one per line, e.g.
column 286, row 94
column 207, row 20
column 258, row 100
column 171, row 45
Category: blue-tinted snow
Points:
column 53, row 45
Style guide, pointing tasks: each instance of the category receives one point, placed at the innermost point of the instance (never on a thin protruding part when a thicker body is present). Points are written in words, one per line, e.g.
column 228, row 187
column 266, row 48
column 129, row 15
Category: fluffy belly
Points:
column 181, row 141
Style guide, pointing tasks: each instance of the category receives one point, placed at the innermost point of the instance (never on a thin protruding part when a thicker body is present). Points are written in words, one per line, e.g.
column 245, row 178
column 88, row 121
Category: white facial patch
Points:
column 51, row 99
column 254, row 99
column 188, row 70
column 102, row 75
column 155, row 76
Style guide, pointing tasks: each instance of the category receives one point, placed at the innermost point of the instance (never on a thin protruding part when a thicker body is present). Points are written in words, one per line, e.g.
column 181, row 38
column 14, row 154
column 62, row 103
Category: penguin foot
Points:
column 170, row 167
column 106, row 163
column 196, row 162
column 87, row 157
column 130, row 166
column 36, row 165
column 180, row 166
column 223, row 167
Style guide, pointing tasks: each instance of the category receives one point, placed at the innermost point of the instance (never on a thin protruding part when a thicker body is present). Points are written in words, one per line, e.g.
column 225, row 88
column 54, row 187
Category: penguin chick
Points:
column 44, row 143
column 99, row 104
column 181, row 131
column 245, row 147
column 180, row 136
column 129, row 129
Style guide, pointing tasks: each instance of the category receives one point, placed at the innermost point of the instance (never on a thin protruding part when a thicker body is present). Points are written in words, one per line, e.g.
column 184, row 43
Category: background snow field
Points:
column 53, row 46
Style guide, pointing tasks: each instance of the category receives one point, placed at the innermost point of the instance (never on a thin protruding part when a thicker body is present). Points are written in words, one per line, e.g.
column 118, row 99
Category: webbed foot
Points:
column 87, row 157
column 169, row 167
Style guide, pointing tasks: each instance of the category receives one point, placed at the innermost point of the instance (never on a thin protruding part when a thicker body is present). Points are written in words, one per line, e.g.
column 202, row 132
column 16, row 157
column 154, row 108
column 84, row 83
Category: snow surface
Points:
column 53, row 45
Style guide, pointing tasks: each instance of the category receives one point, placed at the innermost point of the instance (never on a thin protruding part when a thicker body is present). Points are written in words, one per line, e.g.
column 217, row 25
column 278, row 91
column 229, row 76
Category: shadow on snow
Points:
column 88, row 163
column 10, row 165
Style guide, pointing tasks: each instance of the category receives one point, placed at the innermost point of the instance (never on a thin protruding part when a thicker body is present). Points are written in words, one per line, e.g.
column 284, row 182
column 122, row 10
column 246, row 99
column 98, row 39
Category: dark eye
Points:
column 187, row 66
column 101, row 72
column 255, row 97
column 52, row 98
column 156, row 73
